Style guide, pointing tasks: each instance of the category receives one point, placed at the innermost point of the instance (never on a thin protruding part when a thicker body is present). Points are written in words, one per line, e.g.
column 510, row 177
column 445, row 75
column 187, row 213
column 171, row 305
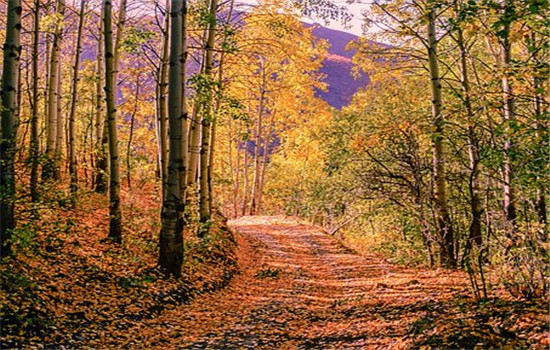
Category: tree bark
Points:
column 8, row 123
column 444, row 224
column 171, row 234
column 60, row 122
column 162, row 89
column 246, row 182
column 257, row 155
column 74, row 94
column 34, row 142
column 265, row 159
column 115, row 217
column 131, row 134
column 217, row 108
column 50, row 168
column 207, row 116
column 508, row 101
column 100, row 172
column 184, row 112
column 541, row 111
column 476, row 209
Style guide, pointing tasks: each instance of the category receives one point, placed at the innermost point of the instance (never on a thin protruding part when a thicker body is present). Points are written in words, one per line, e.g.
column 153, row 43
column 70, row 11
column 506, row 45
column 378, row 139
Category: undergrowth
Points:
column 67, row 285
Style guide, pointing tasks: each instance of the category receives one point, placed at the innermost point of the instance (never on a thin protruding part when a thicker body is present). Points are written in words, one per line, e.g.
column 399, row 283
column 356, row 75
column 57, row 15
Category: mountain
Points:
column 337, row 67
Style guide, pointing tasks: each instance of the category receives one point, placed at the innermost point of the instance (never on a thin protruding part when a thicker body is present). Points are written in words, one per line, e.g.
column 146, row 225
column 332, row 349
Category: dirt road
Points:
column 299, row 288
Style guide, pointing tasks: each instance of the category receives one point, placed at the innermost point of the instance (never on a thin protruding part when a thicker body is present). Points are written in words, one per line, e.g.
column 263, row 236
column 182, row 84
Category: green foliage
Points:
column 204, row 17
column 522, row 267
column 229, row 44
column 135, row 37
column 24, row 237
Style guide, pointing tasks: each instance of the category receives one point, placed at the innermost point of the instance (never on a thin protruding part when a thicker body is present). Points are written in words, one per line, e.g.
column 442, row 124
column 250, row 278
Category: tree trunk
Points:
column 34, row 142
column 444, row 224
column 475, row 236
column 246, row 183
column 51, row 165
column 509, row 116
column 8, row 123
column 207, row 116
column 76, row 69
column 184, row 112
column 265, row 159
column 171, row 234
column 121, row 24
column 194, row 146
column 100, row 172
column 218, row 104
column 162, row 89
column 257, row 155
column 541, row 111
column 115, row 226
column 131, row 135
column 195, row 133
column 60, row 122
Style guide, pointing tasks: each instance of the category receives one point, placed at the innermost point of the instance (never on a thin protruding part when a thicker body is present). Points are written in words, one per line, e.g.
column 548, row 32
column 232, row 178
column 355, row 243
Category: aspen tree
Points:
column 34, row 142
column 206, row 124
column 162, row 93
column 51, row 167
column 508, row 101
column 101, row 164
column 476, row 209
column 171, row 233
column 115, row 225
column 440, row 186
column 8, row 123
column 74, row 94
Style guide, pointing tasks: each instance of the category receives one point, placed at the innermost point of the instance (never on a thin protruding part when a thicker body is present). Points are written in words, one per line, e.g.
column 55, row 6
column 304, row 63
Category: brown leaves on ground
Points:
column 71, row 286
column 298, row 288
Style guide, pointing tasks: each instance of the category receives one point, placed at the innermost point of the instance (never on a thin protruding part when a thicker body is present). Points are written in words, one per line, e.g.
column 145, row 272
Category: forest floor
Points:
column 274, row 283
column 300, row 288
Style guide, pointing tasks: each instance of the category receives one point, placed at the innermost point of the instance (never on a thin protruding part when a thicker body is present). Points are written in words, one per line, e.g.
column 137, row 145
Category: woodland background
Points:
column 132, row 129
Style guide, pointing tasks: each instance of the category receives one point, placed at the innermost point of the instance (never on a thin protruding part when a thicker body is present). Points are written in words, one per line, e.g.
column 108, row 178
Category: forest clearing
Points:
column 274, row 174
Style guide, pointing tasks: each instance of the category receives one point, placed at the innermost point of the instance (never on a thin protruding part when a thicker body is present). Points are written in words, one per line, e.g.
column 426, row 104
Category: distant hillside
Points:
column 337, row 67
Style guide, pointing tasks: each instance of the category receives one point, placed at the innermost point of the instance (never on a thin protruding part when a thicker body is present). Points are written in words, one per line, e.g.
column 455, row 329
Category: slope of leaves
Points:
column 70, row 286
column 299, row 288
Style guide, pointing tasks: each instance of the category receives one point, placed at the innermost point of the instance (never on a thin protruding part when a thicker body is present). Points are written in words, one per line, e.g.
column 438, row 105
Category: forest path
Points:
column 300, row 288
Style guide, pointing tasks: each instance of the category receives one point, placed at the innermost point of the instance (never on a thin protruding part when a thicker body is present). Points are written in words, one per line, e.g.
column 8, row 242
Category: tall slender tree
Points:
column 8, row 123
column 258, row 144
column 101, row 164
column 184, row 112
column 218, row 98
column 508, row 102
column 171, row 234
column 475, row 237
column 115, row 216
column 206, row 123
column 51, row 166
column 34, row 142
column 74, row 95
column 445, row 228
column 161, row 100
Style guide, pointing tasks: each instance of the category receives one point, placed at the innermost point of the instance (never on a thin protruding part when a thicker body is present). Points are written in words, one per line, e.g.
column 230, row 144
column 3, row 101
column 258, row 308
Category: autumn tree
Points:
column 74, row 94
column 54, row 118
column 34, row 143
column 171, row 234
column 115, row 225
column 258, row 105
column 9, row 91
